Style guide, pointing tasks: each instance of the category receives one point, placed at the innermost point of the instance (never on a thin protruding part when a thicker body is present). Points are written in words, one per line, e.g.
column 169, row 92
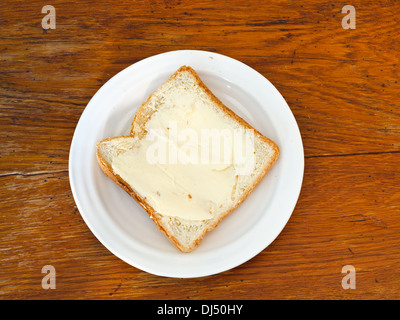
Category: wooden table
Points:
column 342, row 85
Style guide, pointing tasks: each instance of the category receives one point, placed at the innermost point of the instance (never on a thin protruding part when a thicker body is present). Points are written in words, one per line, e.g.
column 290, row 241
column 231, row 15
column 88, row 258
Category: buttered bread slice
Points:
column 189, row 160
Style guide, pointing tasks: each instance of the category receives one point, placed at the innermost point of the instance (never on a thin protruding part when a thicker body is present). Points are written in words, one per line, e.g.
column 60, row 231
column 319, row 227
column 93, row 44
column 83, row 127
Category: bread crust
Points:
column 140, row 118
column 107, row 169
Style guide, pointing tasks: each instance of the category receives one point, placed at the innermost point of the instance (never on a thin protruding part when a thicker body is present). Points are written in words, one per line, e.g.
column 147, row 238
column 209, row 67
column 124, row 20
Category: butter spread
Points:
column 178, row 168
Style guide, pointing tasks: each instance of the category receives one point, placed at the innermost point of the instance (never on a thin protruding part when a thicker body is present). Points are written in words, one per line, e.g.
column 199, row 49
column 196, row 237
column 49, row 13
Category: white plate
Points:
column 124, row 227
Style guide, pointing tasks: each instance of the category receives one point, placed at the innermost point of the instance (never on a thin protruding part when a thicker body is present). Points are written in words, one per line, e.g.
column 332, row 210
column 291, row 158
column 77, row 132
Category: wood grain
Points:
column 341, row 85
column 357, row 225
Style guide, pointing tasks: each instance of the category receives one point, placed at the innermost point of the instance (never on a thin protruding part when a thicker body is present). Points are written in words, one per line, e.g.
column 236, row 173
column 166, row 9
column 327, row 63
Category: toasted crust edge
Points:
column 224, row 108
column 109, row 172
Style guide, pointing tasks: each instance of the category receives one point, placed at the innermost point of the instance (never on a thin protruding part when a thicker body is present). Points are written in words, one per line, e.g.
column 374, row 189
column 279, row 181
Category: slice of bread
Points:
column 186, row 199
